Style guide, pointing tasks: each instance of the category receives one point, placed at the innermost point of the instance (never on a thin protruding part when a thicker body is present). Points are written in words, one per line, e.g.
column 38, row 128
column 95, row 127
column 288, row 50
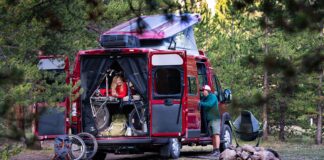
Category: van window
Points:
column 192, row 86
column 217, row 88
column 167, row 81
column 202, row 74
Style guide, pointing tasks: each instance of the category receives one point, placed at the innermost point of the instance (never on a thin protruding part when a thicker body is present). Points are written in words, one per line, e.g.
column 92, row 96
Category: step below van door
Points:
column 52, row 121
column 168, row 93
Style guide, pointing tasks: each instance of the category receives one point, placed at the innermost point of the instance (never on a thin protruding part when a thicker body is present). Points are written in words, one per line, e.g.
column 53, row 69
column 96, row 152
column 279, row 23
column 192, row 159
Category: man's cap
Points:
column 206, row 87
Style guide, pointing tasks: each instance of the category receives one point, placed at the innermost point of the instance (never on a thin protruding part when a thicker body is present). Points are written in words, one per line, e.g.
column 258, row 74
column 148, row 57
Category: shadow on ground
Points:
column 153, row 155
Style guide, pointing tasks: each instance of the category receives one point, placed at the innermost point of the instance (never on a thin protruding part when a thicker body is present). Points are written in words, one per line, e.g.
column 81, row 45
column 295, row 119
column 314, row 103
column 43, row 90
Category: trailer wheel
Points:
column 99, row 156
column 227, row 137
column 171, row 150
column 91, row 144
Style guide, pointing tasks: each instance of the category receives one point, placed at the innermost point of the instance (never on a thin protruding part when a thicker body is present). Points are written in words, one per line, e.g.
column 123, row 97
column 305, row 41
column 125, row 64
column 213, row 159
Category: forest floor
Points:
column 294, row 149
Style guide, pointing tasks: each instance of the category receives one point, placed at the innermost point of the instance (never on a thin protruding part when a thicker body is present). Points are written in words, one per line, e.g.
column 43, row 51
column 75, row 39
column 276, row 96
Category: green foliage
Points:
column 7, row 151
column 31, row 27
column 235, row 41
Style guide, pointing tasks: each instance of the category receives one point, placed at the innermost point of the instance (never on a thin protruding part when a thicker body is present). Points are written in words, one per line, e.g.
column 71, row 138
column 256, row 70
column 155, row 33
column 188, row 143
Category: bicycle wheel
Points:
column 78, row 148
column 102, row 117
column 134, row 122
column 91, row 144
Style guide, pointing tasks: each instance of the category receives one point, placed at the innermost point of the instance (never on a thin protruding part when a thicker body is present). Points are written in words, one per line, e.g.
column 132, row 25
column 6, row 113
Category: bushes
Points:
column 8, row 150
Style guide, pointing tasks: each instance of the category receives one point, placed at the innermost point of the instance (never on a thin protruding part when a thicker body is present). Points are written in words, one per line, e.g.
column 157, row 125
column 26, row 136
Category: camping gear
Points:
column 247, row 127
column 117, row 127
column 62, row 147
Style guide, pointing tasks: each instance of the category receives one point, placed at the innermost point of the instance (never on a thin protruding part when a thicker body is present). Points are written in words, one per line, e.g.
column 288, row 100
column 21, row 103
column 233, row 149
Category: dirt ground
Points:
column 298, row 150
column 47, row 153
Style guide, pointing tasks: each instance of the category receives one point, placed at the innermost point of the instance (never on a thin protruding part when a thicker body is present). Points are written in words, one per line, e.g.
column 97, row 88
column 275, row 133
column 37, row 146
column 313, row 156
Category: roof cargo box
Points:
column 119, row 41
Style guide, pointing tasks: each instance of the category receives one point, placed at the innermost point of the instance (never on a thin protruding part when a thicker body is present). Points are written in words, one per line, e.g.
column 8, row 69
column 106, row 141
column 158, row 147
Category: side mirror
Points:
column 228, row 95
column 219, row 96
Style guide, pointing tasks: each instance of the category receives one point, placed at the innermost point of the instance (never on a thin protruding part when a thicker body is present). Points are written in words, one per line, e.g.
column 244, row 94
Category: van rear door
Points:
column 52, row 121
column 168, row 94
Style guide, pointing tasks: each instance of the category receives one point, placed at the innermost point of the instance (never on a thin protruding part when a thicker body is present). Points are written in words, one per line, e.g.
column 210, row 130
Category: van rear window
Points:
column 167, row 81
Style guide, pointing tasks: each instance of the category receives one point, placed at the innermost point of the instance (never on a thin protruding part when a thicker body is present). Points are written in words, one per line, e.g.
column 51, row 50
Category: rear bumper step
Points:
column 123, row 141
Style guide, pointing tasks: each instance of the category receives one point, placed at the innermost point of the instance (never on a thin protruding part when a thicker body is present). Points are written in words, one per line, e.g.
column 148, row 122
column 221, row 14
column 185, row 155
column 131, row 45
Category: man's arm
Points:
column 210, row 102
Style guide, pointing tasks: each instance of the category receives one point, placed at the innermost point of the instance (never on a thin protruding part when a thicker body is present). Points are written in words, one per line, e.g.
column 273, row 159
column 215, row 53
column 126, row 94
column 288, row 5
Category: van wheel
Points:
column 227, row 137
column 171, row 150
column 99, row 156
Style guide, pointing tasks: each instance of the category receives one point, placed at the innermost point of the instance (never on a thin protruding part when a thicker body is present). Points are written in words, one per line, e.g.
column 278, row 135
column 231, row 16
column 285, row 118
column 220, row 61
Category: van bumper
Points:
column 132, row 141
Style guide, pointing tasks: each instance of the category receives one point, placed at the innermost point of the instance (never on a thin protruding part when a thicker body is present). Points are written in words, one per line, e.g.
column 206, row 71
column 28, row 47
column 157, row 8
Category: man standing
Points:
column 209, row 104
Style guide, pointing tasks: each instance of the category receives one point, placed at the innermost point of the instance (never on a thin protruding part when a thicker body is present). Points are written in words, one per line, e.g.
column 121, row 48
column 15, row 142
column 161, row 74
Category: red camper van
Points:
column 163, row 71
column 148, row 80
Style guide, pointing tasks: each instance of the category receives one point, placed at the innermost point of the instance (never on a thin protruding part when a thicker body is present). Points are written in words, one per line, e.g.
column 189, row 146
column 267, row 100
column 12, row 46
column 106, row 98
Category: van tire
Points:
column 99, row 156
column 171, row 150
column 226, row 135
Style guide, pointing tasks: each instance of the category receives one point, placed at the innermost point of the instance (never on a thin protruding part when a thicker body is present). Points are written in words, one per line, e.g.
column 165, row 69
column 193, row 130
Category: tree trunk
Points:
column 266, row 88
column 318, row 139
column 319, row 111
column 265, row 107
column 282, row 118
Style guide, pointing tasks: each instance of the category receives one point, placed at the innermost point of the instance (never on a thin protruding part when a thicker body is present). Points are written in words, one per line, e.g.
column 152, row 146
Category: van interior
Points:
column 104, row 109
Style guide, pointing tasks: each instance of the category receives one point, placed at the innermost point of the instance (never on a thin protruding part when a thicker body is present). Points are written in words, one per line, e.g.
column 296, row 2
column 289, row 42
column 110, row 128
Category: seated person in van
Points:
column 118, row 87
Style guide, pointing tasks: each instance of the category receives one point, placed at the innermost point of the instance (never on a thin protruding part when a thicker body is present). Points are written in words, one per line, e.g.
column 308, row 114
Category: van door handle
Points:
column 168, row 102
column 191, row 110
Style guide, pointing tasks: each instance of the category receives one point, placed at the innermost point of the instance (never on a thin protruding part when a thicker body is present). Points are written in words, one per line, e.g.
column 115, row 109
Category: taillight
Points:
column 74, row 113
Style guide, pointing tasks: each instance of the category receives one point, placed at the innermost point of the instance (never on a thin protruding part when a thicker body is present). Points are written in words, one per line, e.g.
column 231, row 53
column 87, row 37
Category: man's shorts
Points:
column 214, row 126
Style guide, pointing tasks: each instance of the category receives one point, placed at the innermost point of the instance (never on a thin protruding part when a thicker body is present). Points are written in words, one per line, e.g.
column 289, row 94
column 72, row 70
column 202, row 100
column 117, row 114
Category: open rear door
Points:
column 167, row 108
column 52, row 121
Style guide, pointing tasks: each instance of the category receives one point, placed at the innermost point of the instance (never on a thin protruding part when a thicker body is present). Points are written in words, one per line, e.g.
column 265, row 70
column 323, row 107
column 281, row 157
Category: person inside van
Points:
column 209, row 104
column 118, row 87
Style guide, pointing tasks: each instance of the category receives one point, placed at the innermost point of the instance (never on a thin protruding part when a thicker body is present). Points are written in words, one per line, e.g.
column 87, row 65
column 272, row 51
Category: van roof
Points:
column 155, row 26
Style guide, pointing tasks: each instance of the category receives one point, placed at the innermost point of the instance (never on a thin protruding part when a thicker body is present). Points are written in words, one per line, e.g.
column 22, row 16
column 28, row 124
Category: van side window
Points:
column 218, row 88
column 202, row 74
column 192, row 86
column 167, row 81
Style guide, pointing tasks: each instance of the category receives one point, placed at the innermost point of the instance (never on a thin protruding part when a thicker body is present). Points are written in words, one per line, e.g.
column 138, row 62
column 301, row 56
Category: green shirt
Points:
column 210, row 106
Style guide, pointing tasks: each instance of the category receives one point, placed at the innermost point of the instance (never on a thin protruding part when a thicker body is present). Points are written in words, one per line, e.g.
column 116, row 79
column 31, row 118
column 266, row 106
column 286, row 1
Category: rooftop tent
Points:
column 175, row 33
column 156, row 26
